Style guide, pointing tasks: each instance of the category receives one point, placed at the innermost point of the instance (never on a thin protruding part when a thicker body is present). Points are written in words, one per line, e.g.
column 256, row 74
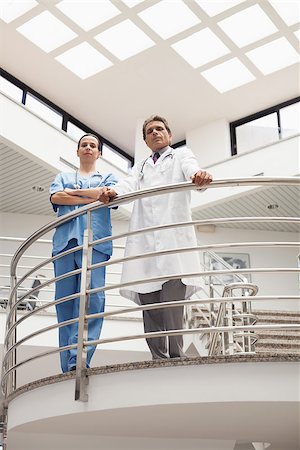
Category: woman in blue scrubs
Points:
column 68, row 192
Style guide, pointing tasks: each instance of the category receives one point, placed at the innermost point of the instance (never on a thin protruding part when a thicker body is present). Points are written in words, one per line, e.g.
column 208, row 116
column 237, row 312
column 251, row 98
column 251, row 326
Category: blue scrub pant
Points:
column 69, row 310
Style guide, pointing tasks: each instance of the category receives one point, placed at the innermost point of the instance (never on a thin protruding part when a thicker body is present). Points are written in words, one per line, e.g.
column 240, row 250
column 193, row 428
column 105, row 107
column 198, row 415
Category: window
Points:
column 10, row 89
column 114, row 158
column 74, row 131
column 43, row 110
column 265, row 127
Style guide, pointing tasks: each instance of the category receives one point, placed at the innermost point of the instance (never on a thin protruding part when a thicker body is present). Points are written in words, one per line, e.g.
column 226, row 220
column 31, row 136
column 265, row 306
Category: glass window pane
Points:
column 74, row 131
column 10, row 89
column 290, row 120
column 43, row 110
column 257, row 133
column 114, row 158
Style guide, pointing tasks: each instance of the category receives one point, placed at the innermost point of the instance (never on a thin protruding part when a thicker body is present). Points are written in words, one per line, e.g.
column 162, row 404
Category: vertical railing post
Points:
column 11, row 382
column 81, row 377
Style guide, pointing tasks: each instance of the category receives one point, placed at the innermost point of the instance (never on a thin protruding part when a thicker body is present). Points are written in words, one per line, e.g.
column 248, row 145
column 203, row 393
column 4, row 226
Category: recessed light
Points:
column 212, row 8
column 46, row 31
column 228, row 75
column 169, row 18
column 38, row 188
column 200, row 48
column 84, row 60
column 274, row 56
column 88, row 14
column 124, row 40
column 248, row 26
column 289, row 11
column 9, row 10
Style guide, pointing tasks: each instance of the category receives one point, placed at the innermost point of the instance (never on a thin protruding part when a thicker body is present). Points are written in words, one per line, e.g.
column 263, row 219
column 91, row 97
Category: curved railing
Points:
column 10, row 364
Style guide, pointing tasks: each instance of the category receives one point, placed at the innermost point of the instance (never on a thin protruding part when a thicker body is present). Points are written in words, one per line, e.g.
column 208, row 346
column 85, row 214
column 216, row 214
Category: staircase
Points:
column 277, row 341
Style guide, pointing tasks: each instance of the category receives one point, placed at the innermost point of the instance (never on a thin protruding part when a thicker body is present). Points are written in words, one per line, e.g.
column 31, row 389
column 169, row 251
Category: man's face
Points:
column 157, row 136
column 88, row 149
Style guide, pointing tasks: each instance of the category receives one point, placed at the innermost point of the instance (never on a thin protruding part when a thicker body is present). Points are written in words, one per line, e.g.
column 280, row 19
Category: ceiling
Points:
column 33, row 198
column 157, row 80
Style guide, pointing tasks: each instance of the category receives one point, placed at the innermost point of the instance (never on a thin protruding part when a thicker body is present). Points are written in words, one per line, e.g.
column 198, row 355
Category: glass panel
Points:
column 290, row 120
column 74, row 131
column 114, row 158
column 43, row 110
column 257, row 133
column 10, row 89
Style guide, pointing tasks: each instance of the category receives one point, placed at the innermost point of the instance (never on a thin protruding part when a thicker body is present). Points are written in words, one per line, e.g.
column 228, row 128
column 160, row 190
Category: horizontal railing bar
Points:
column 159, row 334
column 194, row 275
column 157, row 190
column 164, row 305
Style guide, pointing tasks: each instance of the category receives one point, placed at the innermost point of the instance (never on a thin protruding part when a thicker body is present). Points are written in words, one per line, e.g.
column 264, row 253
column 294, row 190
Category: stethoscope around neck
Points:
column 141, row 173
column 77, row 185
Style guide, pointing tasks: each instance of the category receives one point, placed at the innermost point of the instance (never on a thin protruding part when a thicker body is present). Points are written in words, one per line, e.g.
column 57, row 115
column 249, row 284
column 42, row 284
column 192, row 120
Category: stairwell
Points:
column 277, row 341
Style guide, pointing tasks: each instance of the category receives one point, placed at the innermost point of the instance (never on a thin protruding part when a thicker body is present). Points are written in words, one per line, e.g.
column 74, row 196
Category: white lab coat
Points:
column 174, row 166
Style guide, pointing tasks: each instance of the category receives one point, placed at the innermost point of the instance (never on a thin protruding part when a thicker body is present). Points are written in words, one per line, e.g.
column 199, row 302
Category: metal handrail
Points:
column 11, row 345
column 158, row 190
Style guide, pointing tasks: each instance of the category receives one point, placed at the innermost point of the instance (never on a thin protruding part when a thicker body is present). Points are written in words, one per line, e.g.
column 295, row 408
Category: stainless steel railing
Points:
column 10, row 364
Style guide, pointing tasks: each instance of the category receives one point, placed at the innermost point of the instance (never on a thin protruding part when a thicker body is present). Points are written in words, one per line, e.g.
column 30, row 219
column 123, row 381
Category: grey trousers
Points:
column 165, row 319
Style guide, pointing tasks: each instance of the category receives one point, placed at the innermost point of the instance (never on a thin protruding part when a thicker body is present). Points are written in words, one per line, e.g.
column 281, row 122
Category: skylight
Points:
column 273, row 56
column 124, row 40
column 169, row 18
column 212, row 8
column 248, row 26
column 84, row 60
column 200, row 48
column 88, row 14
column 9, row 10
column 228, row 75
column 288, row 10
column 46, row 31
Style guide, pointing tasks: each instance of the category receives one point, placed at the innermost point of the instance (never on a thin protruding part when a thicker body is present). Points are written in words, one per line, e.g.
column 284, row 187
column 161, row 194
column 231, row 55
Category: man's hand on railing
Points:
column 108, row 194
column 202, row 178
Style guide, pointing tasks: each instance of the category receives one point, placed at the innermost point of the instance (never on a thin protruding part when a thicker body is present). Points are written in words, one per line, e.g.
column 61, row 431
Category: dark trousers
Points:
column 165, row 319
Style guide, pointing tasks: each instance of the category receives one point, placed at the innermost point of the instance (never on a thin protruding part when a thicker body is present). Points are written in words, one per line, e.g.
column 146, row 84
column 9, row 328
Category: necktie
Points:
column 155, row 157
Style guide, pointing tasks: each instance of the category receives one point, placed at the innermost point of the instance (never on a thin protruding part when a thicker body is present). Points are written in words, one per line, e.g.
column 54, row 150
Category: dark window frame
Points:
column 265, row 112
column 66, row 117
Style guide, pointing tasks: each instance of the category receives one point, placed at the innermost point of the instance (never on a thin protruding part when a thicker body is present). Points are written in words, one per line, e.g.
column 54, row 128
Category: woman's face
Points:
column 88, row 148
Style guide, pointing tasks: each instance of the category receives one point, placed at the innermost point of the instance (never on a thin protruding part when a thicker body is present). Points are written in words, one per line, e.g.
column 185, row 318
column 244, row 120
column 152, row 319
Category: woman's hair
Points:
column 158, row 119
column 92, row 135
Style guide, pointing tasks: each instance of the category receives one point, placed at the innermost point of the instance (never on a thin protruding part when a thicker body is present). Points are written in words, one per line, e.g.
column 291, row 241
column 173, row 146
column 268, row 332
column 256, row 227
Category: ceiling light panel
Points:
column 124, row 40
column 89, row 13
column 274, row 56
column 9, row 10
column 228, row 75
column 247, row 26
column 46, row 31
column 200, row 48
column 168, row 18
column 288, row 10
column 84, row 60
column 212, row 8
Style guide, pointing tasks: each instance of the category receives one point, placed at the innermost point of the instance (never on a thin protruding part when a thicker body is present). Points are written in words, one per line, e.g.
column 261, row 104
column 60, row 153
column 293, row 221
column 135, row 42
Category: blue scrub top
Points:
column 74, row 228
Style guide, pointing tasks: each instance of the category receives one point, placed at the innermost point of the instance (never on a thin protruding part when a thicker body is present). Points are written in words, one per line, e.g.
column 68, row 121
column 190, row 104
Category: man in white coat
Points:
column 164, row 166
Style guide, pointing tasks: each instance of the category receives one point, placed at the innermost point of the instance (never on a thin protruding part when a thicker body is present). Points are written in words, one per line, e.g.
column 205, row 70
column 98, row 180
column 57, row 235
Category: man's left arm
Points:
column 191, row 170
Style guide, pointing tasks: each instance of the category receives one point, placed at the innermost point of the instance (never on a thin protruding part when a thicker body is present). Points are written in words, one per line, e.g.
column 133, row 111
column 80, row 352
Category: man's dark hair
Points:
column 152, row 119
column 92, row 135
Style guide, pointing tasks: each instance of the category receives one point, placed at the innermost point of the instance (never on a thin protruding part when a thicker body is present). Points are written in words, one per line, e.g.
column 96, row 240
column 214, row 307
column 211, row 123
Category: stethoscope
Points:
column 77, row 185
column 141, row 174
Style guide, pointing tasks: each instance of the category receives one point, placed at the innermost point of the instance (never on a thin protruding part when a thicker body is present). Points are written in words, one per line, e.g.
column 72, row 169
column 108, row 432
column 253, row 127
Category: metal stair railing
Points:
column 11, row 344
